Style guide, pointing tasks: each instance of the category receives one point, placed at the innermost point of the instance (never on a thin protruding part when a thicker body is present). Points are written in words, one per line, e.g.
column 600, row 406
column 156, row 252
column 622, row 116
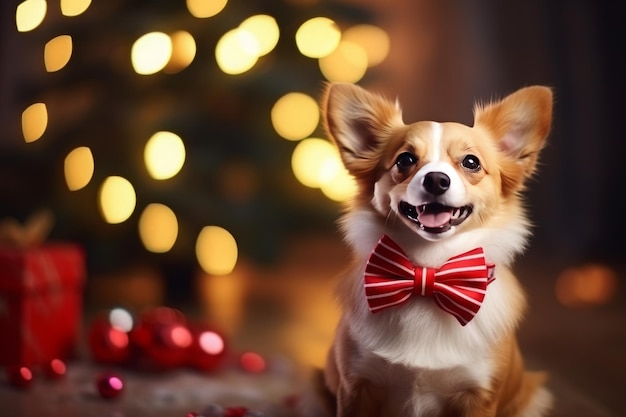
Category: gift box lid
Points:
column 50, row 266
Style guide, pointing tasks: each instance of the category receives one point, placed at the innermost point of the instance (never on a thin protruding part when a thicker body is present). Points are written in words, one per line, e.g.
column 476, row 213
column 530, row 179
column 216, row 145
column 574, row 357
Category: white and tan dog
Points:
column 435, row 190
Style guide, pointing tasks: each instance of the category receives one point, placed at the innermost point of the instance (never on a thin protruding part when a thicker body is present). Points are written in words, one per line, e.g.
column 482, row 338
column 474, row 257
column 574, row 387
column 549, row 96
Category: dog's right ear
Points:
column 358, row 122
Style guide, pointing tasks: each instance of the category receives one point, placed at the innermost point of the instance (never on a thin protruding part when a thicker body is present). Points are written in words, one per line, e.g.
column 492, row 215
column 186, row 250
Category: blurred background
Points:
column 180, row 143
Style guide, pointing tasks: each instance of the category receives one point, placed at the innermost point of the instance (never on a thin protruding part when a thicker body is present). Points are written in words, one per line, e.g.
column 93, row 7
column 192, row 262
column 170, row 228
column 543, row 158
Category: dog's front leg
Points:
column 355, row 395
column 473, row 403
column 362, row 400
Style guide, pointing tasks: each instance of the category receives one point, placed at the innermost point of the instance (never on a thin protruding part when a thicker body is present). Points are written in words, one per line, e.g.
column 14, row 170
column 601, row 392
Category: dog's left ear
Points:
column 359, row 123
column 520, row 124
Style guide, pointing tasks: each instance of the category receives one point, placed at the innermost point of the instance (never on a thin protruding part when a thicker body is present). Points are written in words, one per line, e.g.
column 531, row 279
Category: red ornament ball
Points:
column 20, row 376
column 235, row 412
column 107, row 343
column 55, row 369
column 161, row 339
column 208, row 349
column 109, row 385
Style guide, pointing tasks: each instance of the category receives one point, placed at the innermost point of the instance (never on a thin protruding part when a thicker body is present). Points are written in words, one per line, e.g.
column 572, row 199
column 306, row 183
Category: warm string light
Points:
column 57, row 53
column 347, row 63
column 205, row 8
column 318, row 37
column 316, row 163
column 374, row 41
column 30, row 14
column 183, row 52
column 151, row 53
column 72, row 8
column 264, row 29
column 158, row 228
column 239, row 49
column 117, row 199
column 79, row 168
column 295, row 116
column 216, row 250
column 34, row 122
column 164, row 155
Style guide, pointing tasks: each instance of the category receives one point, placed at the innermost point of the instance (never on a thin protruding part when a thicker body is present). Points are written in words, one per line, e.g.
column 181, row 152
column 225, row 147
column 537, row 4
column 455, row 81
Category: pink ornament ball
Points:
column 109, row 385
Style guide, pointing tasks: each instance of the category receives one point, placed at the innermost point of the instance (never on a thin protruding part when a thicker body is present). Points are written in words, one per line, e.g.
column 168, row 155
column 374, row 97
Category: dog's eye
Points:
column 471, row 162
column 406, row 160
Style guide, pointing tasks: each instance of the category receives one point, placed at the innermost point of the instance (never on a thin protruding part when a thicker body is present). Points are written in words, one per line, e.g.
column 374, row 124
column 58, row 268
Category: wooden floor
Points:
column 287, row 313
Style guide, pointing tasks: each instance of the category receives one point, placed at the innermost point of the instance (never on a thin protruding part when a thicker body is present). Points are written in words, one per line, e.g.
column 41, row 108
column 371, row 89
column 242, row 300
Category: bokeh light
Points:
column 34, row 122
column 586, row 285
column 316, row 163
column 237, row 51
column 340, row 187
column 295, row 116
column 29, row 14
column 216, row 250
column 56, row 368
column 317, row 37
column 347, row 63
column 79, row 167
column 164, row 155
column 158, row 228
column 121, row 319
column 183, row 52
column 374, row 41
column 151, row 53
column 179, row 336
column 205, row 8
column 57, row 52
column 117, row 199
column 211, row 343
column 265, row 30
column 74, row 7
column 252, row 362
column 310, row 161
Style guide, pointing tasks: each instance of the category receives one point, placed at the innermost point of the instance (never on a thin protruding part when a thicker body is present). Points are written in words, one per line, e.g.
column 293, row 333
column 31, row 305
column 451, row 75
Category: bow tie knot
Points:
column 424, row 281
column 458, row 286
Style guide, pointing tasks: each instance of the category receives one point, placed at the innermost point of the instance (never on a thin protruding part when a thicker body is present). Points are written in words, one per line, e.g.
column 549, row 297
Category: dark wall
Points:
column 575, row 46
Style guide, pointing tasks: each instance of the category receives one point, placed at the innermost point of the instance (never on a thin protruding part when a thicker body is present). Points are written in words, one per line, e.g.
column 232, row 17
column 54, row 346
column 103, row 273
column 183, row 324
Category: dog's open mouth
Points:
column 435, row 217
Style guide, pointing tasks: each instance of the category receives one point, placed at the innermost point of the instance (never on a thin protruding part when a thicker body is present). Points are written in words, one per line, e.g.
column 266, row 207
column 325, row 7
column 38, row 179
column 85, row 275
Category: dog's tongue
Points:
column 434, row 219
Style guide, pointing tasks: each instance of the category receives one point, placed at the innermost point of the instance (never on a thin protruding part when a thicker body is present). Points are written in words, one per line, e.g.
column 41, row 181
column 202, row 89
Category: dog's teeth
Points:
column 455, row 212
column 461, row 211
column 421, row 208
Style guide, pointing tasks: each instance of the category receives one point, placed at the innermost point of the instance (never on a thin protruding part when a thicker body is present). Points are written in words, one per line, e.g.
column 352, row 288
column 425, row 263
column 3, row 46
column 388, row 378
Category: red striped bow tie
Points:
column 458, row 286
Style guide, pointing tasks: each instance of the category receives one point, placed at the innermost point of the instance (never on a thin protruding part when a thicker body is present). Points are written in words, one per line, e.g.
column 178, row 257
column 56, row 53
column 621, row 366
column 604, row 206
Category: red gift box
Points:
column 40, row 303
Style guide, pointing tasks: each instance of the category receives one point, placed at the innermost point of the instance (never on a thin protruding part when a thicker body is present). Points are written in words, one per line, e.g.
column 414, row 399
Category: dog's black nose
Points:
column 436, row 183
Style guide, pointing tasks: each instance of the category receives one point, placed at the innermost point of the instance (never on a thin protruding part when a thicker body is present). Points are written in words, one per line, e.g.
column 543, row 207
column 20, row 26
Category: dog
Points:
column 414, row 341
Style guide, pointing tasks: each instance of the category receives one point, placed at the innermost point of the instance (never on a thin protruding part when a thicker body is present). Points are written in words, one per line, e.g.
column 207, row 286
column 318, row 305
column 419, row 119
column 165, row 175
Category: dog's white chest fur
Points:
column 418, row 380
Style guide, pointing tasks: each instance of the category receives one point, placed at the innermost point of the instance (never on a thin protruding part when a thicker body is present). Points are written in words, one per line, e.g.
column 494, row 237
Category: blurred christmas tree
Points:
column 104, row 90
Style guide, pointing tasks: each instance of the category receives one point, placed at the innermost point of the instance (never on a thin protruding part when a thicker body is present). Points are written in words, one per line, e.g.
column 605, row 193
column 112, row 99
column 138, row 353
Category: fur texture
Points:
column 415, row 359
